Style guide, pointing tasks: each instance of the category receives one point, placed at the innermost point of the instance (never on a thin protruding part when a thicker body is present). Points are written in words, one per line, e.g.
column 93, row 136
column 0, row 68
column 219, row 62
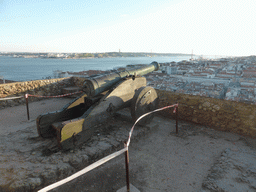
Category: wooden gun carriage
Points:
column 103, row 96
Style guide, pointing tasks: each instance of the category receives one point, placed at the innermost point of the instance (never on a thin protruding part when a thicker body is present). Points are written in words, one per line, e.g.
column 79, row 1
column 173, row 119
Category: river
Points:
column 25, row 69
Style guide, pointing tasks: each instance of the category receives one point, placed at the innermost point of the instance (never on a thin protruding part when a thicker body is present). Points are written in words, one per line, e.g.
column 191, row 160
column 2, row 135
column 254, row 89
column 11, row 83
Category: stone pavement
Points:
column 197, row 159
column 28, row 162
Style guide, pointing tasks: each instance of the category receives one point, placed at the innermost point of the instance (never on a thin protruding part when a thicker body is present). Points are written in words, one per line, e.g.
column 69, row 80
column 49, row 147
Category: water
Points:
column 25, row 69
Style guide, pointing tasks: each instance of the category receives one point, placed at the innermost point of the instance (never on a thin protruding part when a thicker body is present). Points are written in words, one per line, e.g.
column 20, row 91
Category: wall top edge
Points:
column 204, row 98
column 19, row 82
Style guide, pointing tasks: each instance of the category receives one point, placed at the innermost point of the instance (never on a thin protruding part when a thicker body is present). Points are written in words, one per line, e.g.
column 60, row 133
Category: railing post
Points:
column 26, row 96
column 127, row 168
column 177, row 113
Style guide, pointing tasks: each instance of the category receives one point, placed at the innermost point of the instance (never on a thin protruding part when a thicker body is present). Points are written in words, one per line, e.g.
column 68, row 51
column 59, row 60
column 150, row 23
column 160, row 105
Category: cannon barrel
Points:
column 97, row 85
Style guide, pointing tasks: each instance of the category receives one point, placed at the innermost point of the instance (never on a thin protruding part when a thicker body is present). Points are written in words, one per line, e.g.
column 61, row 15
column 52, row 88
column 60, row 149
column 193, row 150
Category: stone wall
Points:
column 47, row 87
column 77, row 81
column 219, row 114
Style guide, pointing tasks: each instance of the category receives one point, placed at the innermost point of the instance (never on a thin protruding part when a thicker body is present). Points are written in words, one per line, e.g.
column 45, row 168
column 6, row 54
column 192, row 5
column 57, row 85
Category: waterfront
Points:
column 25, row 69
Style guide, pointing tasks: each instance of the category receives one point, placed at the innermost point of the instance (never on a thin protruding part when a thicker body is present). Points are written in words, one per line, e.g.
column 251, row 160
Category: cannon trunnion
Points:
column 104, row 95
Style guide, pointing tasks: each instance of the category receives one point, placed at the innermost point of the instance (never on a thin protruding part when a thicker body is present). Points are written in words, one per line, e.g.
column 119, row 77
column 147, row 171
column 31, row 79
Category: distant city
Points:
column 231, row 78
column 87, row 55
column 226, row 78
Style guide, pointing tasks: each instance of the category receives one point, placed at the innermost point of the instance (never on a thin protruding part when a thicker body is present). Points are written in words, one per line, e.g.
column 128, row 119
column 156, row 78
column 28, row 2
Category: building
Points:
column 171, row 70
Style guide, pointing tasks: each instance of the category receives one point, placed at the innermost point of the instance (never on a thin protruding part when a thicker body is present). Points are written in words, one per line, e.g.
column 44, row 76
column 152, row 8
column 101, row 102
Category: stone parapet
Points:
column 230, row 116
column 78, row 81
column 46, row 87
column 219, row 114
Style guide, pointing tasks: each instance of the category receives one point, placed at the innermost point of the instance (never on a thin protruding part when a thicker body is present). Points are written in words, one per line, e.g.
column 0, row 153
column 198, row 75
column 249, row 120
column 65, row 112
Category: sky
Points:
column 208, row 27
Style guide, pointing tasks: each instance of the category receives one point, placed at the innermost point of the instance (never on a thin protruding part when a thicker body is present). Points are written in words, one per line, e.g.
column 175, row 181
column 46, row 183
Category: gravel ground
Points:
column 196, row 159
column 29, row 162
column 13, row 119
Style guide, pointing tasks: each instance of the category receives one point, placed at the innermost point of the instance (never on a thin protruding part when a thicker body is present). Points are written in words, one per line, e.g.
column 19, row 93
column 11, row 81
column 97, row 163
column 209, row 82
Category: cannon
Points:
column 102, row 97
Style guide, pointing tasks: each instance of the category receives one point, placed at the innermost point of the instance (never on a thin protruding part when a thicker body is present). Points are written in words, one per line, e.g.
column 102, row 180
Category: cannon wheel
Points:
column 145, row 100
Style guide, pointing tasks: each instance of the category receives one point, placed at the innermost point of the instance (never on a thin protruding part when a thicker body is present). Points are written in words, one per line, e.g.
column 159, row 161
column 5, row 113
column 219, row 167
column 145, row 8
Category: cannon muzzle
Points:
column 97, row 85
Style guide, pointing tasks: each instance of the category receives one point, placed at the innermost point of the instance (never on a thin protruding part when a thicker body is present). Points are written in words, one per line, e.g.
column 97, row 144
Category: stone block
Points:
column 132, row 189
column 216, row 107
column 206, row 104
column 194, row 120
column 193, row 102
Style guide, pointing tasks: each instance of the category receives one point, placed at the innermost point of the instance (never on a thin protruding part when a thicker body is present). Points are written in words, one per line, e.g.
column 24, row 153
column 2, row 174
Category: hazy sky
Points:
column 209, row 27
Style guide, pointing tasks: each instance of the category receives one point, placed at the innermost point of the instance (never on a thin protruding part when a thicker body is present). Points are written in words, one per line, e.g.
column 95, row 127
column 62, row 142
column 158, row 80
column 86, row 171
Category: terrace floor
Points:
column 196, row 159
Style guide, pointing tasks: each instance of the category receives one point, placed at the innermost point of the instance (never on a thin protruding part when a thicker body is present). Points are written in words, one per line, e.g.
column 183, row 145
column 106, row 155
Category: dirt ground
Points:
column 14, row 118
column 196, row 159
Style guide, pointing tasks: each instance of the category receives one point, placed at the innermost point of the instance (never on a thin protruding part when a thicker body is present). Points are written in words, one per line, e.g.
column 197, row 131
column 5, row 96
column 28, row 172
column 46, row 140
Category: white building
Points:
column 171, row 70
